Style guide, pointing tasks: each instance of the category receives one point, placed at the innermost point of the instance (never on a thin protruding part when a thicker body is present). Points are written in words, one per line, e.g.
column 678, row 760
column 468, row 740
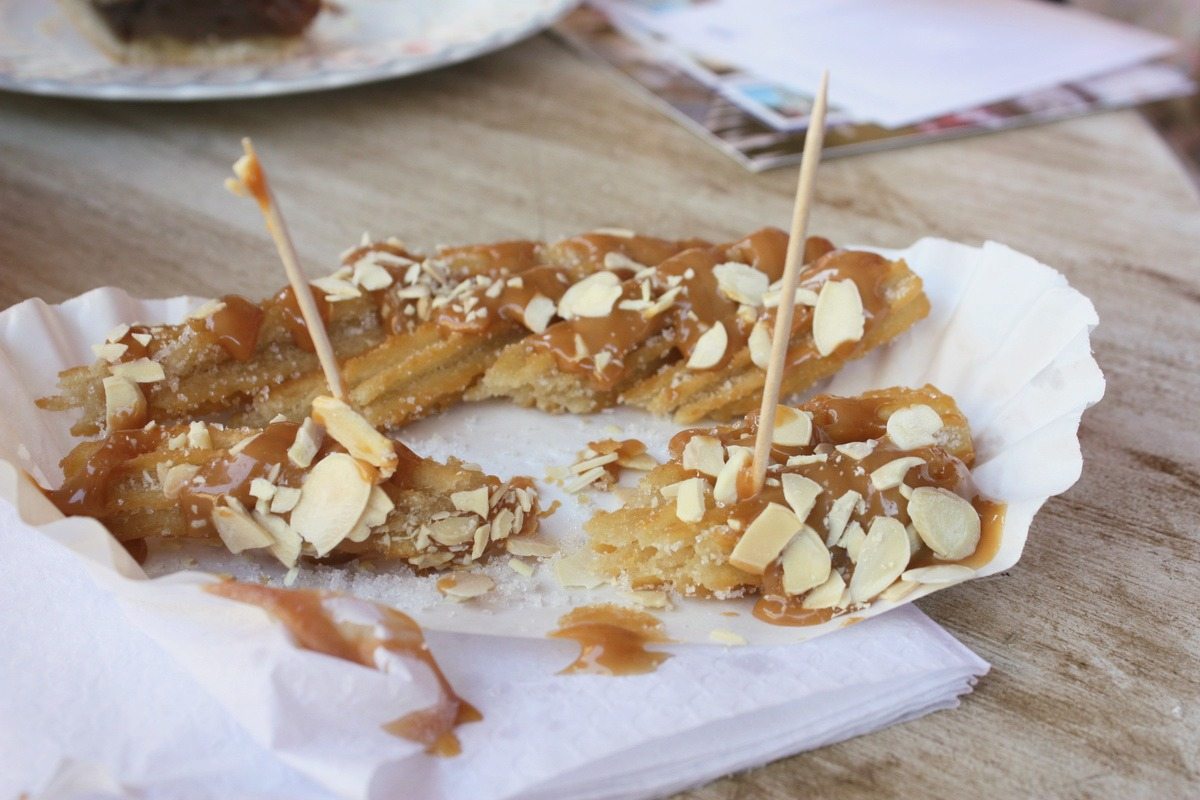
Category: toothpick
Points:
column 251, row 181
column 814, row 139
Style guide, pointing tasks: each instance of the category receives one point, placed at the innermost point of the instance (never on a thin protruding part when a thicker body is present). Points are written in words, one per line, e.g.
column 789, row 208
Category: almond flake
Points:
column 583, row 481
column 839, row 515
column 332, row 500
column 881, row 559
column 804, row 460
column 581, row 348
column 237, row 528
column 577, row 571
column 465, row 585
column 741, row 283
column 286, row 543
column 538, row 313
column 483, row 534
column 760, row 344
column 793, row 427
column 520, row 567
column 110, row 351
column 620, row 233
column 379, row 506
column 141, row 370
column 827, row 594
column 891, row 474
column 802, row 297
column 801, row 493
column 806, row 562
column 765, row 539
column 838, row 317
column 593, row 296
column 689, row 500
column 591, row 463
column 474, row 501
column 198, row 436
column 946, row 522
column 898, row 591
column 704, row 453
column 616, row 260
column 352, row 431
column 124, row 403
column 205, row 311
column 453, row 531
column 665, row 301
column 726, row 637
column 336, row 289
column 369, row 275
column 851, row 540
column 521, row 546
column 709, row 348
column 285, row 499
column 726, row 490
column 502, row 525
column 118, row 333
column 142, row 338
column 262, row 489
column 643, row 462
column 175, row 478
column 650, row 598
column 857, row 450
column 306, row 444
column 913, row 427
column 939, row 573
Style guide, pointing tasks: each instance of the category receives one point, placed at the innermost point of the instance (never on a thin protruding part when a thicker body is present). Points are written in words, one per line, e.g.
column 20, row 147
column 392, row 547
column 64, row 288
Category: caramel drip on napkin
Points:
column 612, row 640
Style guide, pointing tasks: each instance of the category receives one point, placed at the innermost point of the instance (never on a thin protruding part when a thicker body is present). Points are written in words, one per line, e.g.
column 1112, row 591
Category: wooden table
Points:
column 1095, row 688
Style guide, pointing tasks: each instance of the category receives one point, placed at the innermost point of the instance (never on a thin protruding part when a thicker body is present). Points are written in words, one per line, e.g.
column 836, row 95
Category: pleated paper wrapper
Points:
column 1007, row 337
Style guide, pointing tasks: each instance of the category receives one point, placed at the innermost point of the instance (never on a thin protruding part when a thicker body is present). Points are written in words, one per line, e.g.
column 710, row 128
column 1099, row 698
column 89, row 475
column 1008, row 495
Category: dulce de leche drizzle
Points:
column 600, row 347
column 357, row 631
column 235, row 326
column 612, row 640
column 232, row 473
column 293, row 318
column 84, row 492
column 482, row 310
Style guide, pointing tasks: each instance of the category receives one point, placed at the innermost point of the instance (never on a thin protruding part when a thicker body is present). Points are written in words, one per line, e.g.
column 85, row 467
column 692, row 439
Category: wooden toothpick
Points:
column 814, row 139
column 251, row 181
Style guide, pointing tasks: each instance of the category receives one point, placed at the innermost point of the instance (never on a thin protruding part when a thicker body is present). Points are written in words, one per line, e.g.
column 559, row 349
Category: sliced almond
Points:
column 577, row 570
column 118, row 333
column 881, row 559
column 803, row 296
column 650, row 598
column 827, row 594
column 285, row 499
column 522, row 546
column 587, row 464
column 898, row 591
column 369, row 275
column 237, row 528
column 620, row 233
column 726, row 637
column 804, row 460
column 741, row 283
column 689, row 501
column 801, row 493
column 913, row 427
column 262, row 489
column 946, row 522
column 110, row 351
column 453, row 531
column 726, row 489
column 710, row 348
column 891, row 474
column 142, row 338
column 616, row 260
column 520, row 567
column 352, row 431
column 124, row 404
column 474, row 501
column 839, row 515
column 306, row 444
column 838, row 317
column 286, row 542
column 204, row 311
column 939, row 573
column 483, row 535
column 593, row 296
column 175, row 478
column 852, row 540
column 465, row 585
column 332, row 500
column 379, row 506
column 793, row 427
column 502, row 525
column 538, row 313
column 765, row 539
column 141, row 370
column 857, row 450
column 806, row 562
column 704, row 453
column 198, row 436
column 336, row 289
column 642, row 462
column 760, row 344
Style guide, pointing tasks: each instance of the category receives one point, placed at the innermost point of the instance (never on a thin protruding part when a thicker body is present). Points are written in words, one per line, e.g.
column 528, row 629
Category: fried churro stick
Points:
column 329, row 485
column 858, row 489
column 691, row 337
column 406, row 343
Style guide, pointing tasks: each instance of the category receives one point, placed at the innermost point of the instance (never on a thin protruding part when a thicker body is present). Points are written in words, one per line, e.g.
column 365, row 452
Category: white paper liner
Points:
column 1007, row 338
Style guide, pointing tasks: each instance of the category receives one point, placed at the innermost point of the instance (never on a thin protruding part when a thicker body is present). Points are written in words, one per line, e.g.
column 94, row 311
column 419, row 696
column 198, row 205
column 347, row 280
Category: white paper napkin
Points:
column 117, row 686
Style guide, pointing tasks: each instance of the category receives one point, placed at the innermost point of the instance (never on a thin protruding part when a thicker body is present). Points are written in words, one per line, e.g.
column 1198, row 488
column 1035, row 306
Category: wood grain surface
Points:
column 1093, row 635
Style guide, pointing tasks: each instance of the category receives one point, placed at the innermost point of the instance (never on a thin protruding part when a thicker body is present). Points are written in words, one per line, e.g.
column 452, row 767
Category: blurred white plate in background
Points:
column 41, row 52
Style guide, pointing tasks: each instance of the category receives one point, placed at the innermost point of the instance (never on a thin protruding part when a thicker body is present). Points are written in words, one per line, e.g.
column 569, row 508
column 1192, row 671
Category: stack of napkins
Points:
column 116, row 686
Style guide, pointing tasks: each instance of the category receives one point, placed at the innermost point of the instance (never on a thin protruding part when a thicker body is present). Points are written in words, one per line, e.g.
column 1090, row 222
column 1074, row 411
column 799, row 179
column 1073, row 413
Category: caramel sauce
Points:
column 231, row 474
column 286, row 301
column 256, row 183
column 991, row 530
column 84, row 492
column 612, row 640
column 516, row 255
column 509, row 305
column 235, row 326
column 309, row 616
